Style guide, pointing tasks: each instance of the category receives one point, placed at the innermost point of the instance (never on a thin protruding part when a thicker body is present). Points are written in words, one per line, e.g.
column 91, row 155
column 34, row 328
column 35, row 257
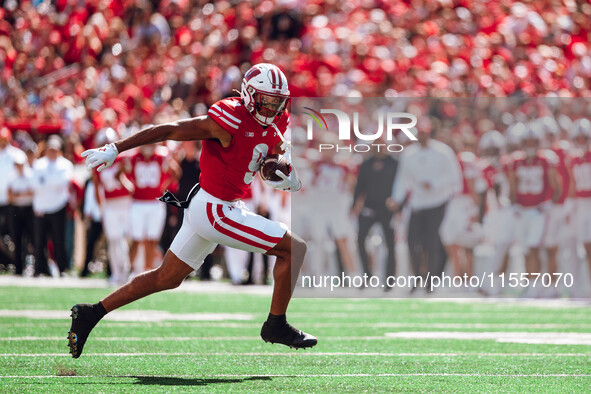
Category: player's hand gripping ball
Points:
column 271, row 164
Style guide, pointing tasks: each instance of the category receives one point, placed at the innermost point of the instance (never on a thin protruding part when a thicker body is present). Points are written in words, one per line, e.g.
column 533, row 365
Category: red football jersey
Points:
column 110, row 183
column 581, row 166
column 469, row 166
column 561, row 153
column 507, row 161
column 226, row 173
column 490, row 173
column 147, row 174
column 532, row 179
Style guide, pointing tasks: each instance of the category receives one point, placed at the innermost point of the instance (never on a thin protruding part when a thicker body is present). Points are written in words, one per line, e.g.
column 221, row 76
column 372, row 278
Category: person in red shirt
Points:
column 580, row 187
column 237, row 134
column 460, row 231
column 560, row 234
column 532, row 181
column 495, row 206
column 333, row 181
column 112, row 192
column 150, row 171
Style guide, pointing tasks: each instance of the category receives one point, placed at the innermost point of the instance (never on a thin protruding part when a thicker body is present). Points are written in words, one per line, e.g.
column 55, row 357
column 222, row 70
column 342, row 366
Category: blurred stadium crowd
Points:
column 75, row 68
column 516, row 201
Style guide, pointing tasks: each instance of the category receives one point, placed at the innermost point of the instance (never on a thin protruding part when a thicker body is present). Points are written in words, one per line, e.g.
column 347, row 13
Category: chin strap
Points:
column 285, row 145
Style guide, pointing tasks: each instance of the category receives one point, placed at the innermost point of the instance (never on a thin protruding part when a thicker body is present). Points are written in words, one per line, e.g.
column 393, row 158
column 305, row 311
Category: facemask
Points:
column 147, row 151
column 531, row 152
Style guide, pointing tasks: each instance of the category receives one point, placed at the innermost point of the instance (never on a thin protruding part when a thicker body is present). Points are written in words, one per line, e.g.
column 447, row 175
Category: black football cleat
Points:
column 84, row 319
column 287, row 335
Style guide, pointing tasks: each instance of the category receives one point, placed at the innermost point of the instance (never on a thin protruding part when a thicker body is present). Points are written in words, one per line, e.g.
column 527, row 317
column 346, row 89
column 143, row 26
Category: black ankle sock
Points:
column 276, row 319
column 99, row 310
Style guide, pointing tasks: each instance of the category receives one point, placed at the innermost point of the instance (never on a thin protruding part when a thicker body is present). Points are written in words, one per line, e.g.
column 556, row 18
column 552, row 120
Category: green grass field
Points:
column 364, row 345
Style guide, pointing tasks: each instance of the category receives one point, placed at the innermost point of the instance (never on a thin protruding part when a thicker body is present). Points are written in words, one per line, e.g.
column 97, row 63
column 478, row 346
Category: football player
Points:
column 580, row 189
column 495, row 206
column 150, row 171
column 459, row 229
column 532, row 180
column 112, row 193
column 559, row 232
column 237, row 134
column 332, row 186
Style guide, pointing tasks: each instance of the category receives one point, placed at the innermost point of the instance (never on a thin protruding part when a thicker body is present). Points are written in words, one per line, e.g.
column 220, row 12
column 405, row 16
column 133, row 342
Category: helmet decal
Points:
column 253, row 72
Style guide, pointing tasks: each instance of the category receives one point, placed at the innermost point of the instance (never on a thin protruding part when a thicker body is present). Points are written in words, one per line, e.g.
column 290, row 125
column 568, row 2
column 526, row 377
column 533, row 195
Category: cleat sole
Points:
column 74, row 314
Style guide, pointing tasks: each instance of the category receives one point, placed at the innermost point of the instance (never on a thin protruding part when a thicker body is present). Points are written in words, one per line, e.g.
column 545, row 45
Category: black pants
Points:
column 365, row 224
column 22, row 234
column 5, row 230
column 53, row 226
column 427, row 253
column 250, row 268
column 93, row 233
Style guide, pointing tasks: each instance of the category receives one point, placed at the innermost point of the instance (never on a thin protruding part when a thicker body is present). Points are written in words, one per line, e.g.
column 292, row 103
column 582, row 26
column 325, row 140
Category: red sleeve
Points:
column 77, row 189
column 512, row 166
column 225, row 115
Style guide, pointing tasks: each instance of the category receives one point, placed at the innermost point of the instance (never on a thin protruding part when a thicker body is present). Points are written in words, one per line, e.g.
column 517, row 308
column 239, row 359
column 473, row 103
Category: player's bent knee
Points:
column 171, row 273
column 167, row 281
column 290, row 245
column 298, row 246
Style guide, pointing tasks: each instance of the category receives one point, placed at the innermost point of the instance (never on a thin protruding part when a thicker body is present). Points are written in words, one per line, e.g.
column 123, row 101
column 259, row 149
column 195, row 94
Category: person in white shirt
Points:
column 429, row 175
column 52, row 176
column 8, row 155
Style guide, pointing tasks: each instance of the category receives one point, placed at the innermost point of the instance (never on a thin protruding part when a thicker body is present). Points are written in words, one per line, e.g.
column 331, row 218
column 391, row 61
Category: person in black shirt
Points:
column 373, row 188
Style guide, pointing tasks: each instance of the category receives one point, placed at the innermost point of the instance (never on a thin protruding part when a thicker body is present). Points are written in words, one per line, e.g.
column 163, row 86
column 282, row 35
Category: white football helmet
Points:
column 549, row 126
column 514, row 134
column 492, row 140
column 580, row 128
column 532, row 132
column 264, row 92
column 531, row 139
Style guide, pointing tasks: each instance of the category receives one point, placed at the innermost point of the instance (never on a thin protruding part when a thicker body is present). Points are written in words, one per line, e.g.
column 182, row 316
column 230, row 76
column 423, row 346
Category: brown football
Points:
column 272, row 163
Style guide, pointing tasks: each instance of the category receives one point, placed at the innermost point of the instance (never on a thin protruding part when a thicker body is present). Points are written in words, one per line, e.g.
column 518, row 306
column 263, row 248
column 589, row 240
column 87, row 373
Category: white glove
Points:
column 286, row 146
column 289, row 183
column 104, row 157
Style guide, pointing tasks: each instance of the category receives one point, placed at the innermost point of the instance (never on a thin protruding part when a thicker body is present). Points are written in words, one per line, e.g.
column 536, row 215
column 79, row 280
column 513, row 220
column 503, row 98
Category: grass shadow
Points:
column 172, row 381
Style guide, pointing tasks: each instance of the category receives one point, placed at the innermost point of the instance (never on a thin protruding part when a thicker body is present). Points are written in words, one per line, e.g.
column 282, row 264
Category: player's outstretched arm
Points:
column 198, row 128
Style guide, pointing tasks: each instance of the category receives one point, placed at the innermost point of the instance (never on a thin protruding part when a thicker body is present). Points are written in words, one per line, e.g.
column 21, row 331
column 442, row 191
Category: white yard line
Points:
column 424, row 316
column 130, row 315
column 136, row 339
column 345, row 375
column 188, row 286
column 198, row 287
column 173, row 338
column 158, row 316
column 545, row 303
column 206, row 324
column 304, row 354
column 543, row 338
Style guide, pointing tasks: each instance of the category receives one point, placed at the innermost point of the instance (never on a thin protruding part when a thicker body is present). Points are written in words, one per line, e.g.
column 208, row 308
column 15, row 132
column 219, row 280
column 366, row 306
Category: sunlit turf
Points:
column 353, row 353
